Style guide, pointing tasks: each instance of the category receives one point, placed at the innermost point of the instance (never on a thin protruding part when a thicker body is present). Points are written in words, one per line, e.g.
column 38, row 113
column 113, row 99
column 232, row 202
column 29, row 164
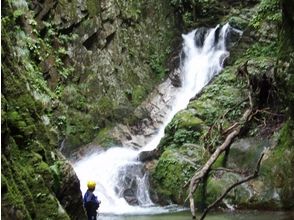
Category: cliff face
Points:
column 34, row 175
column 114, row 54
column 70, row 69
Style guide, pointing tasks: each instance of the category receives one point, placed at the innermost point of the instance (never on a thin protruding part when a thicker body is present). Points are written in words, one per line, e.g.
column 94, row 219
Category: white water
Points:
column 108, row 169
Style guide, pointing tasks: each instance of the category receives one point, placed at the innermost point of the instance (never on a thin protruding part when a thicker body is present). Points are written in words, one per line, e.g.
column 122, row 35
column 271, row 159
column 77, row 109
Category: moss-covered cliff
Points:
column 36, row 180
column 114, row 53
column 265, row 52
column 70, row 70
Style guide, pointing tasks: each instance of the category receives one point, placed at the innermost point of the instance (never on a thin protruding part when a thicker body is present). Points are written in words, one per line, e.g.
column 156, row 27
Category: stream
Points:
column 121, row 178
column 240, row 215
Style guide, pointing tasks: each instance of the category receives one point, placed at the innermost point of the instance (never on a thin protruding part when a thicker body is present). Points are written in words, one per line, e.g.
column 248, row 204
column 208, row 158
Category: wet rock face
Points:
column 148, row 155
column 69, row 193
column 108, row 46
column 200, row 35
column 130, row 196
column 132, row 184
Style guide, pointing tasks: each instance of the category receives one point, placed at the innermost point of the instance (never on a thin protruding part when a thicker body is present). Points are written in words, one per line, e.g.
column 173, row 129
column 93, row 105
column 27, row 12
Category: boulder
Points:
column 130, row 196
column 69, row 193
column 148, row 155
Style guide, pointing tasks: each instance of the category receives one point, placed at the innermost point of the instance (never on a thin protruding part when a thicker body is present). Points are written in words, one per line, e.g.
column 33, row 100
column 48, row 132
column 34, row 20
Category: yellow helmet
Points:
column 91, row 184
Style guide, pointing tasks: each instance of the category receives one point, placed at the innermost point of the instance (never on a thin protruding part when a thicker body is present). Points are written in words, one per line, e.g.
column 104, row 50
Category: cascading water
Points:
column 117, row 172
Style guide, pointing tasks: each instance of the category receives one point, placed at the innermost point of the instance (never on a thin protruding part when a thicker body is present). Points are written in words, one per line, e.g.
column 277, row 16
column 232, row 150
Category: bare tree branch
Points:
column 199, row 175
column 252, row 176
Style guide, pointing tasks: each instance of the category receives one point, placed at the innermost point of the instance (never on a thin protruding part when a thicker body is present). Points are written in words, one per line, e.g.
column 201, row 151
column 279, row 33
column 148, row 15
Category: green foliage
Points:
column 131, row 10
column 27, row 184
column 182, row 136
column 79, row 130
column 106, row 106
column 73, row 98
column 192, row 11
column 138, row 95
column 56, row 173
column 105, row 138
column 263, row 50
column 157, row 64
column 94, row 7
column 269, row 11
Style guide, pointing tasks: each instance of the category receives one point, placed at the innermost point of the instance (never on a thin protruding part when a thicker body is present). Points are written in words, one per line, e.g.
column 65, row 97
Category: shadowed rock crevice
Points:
column 91, row 42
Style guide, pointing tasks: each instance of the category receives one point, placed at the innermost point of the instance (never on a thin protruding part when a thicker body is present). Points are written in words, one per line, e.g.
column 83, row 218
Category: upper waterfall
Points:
column 117, row 172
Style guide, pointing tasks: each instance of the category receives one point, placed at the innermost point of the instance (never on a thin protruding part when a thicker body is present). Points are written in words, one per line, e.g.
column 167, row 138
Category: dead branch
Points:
column 199, row 175
column 252, row 176
column 205, row 169
column 265, row 110
column 230, row 128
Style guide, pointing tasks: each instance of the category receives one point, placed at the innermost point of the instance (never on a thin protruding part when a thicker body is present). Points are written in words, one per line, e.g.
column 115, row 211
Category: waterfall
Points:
column 117, row 172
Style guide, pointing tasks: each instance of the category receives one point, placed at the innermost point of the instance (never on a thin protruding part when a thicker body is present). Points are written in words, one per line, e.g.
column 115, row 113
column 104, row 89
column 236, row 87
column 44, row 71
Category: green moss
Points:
column 56, row 173
column 22, row 122
column 30, row 186
column 79, row 129
column 106, row 106
column 138, row 94
column 26, row 175
column 105, row 138
column 183, row 136
column 219, row 162
column 205, row 109
column 277, row 170
column 11, row 194
column 93, row 6
column 73, row 98
column 171, row 174
column 269, row 11
column 187, row 119
column 216, row 187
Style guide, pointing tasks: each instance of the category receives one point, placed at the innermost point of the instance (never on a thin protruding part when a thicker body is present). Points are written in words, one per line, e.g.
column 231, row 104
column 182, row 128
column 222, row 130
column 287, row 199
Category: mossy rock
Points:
column 217, row 185
column 187, row 119
column 205, row 109
column 105, row 138
column 184, row 124
column 171, row 174
column 277, row 170
column 244, row 153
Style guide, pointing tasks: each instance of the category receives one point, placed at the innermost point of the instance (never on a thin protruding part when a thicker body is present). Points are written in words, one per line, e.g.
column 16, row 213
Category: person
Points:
column 91, row 202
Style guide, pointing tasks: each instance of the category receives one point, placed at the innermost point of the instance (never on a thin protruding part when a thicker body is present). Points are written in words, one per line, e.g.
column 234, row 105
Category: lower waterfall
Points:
column 120, row 177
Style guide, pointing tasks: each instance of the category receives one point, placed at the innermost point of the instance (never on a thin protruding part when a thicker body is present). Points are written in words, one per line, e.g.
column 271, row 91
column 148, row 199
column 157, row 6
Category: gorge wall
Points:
column 73, row 70
column 70, row 70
